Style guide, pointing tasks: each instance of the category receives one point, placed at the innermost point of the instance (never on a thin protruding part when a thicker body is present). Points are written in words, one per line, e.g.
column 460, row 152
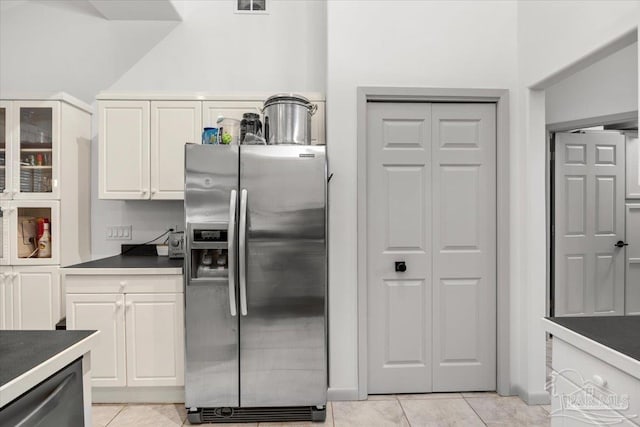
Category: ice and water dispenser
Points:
column 209, row 251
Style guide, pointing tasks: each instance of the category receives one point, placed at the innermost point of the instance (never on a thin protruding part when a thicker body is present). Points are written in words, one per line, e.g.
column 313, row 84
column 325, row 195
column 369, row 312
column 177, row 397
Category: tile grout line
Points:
column 473, row 409
column 114, row 417
column 333, row 418
column 403, row 411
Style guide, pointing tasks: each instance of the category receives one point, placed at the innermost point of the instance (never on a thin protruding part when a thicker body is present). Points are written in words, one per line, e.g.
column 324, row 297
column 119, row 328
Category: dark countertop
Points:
column 131, row 261
column 22, row 351
column 620, row 333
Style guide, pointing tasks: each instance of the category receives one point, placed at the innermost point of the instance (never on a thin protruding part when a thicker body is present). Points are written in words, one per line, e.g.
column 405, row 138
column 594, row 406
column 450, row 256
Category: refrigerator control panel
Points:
column 200, row 235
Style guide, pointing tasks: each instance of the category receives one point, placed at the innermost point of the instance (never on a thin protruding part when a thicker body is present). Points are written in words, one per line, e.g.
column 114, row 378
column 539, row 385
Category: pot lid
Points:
column 287, row 97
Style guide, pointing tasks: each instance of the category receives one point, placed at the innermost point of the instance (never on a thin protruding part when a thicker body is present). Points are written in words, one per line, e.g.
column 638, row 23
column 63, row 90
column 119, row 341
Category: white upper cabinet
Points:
column 142, row 147
column 29, row 149
column 142, row 139
column 124, row 149
column 228, row 109
column 173, row 123
column 317, row 125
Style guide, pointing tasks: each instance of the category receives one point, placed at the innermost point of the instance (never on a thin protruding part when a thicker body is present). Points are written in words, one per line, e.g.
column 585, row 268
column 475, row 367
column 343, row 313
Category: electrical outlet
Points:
column 119, row 232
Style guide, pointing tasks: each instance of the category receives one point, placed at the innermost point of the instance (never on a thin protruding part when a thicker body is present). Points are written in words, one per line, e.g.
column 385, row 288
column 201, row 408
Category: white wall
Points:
column 51, row 45
column 552, row 35
column 395, row 43
column 607, row 87
column 216, row 50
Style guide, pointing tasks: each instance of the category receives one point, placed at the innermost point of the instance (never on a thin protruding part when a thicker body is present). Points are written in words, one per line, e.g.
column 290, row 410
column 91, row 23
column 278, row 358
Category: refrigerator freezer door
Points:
column 283, row 333
column 211, row 324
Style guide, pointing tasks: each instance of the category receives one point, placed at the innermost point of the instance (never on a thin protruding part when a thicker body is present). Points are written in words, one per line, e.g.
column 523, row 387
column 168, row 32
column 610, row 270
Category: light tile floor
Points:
column 436, row 409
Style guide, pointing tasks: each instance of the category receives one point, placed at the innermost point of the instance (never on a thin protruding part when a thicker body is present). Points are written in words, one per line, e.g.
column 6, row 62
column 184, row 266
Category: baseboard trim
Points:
column 538, row 398
column 137, row 394
column 338, row 393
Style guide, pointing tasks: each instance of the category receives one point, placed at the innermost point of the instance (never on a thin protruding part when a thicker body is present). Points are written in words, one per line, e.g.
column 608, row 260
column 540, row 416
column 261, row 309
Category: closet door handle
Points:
column 401, row 266
column 620, row 244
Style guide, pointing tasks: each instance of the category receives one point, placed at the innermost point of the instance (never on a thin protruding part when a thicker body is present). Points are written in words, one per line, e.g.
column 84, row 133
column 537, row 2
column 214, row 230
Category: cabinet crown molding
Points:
column 199, row 96
column 48, row 96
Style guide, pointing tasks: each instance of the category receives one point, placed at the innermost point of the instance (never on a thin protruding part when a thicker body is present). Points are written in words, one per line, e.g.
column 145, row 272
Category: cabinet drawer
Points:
column 144, row 283
column 564, row 394
column 588, row 371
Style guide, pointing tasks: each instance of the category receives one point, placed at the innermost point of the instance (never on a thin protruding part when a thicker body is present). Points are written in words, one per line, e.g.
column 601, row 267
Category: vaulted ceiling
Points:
column 141, row 10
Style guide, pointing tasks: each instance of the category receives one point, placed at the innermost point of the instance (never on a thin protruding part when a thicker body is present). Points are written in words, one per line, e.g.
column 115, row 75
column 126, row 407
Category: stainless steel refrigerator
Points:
column 255, row 283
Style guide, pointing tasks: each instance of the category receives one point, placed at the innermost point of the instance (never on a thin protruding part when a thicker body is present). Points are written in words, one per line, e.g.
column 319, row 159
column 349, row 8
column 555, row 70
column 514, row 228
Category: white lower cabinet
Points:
column 569, row 407
column 155, row 339
column 141, row 341
column 588, row 391
column 104, row 313
column 29, row 297
column 632, row 282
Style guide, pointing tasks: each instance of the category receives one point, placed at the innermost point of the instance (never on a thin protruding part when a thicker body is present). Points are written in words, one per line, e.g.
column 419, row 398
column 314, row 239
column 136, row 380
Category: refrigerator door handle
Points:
column 243, row 252
column 231, row 236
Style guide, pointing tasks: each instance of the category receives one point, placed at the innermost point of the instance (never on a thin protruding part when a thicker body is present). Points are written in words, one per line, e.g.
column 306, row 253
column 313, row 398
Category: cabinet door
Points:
column 6, row 136
column 124, row 149
column 6, row 298
column 36, row 150
column 105, row 313
column 576, row 406
column 36, row 297
column 633, row 165
column 318, row 125
column 211, row 110
column 632, row 291
column 5, row 214
column 173, row 123
column 25, row 228
column 155, row 339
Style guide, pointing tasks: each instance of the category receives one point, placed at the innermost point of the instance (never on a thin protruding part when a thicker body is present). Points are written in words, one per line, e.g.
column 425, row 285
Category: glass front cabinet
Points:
column 30, row 232
column 29, row 149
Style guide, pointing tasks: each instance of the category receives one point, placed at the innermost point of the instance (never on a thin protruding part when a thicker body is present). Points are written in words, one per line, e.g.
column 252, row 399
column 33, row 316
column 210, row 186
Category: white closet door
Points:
column 464, row 247
column 399, row 229
column 589, row 220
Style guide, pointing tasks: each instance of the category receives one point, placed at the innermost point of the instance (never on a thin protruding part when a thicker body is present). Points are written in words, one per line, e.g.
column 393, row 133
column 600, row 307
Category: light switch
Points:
column 119, row 232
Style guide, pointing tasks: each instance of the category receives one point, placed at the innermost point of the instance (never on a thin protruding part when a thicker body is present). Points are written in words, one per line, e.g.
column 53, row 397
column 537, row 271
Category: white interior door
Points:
column 399, row 230
column 589, row 220
column 431, row 204
column 464, row 247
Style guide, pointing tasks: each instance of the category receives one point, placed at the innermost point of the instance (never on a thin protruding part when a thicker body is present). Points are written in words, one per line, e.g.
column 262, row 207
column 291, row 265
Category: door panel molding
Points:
column 500, row 97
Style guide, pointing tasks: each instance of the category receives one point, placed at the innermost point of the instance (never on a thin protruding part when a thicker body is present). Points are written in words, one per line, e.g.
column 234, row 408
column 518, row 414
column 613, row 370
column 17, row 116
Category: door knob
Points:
column 401, row 267
column 620, row 244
